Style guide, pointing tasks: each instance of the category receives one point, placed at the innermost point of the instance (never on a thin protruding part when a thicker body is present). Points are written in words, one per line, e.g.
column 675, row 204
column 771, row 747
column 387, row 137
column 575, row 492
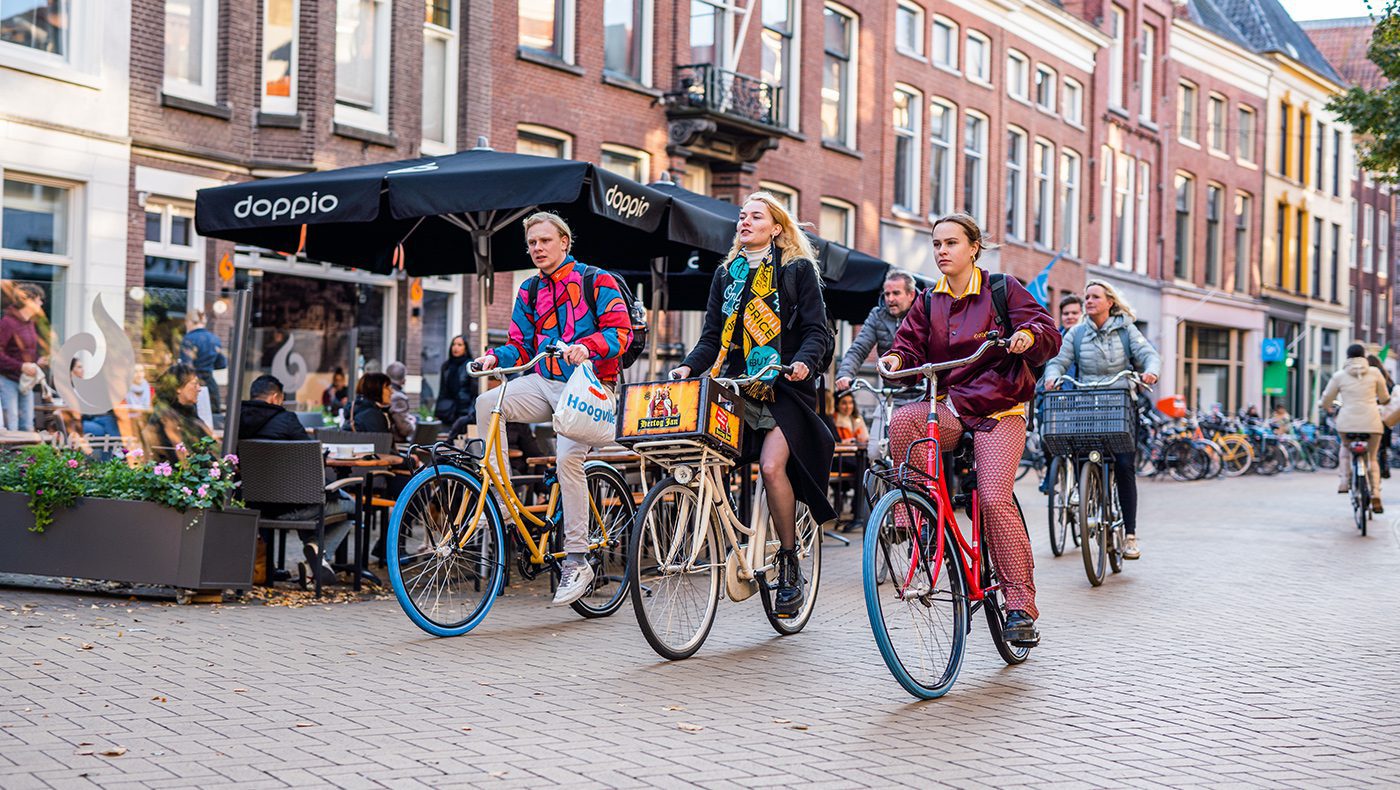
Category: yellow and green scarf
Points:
column 757, row 291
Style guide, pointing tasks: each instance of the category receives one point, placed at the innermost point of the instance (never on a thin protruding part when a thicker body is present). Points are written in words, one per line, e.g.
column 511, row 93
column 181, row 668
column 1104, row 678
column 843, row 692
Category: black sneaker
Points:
column 1020, row 629
column 788, row 600
column 323, row 568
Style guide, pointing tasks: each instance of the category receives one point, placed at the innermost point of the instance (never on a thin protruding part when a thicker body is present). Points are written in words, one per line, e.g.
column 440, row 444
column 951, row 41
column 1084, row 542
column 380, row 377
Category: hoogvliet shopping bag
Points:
column 587, row 410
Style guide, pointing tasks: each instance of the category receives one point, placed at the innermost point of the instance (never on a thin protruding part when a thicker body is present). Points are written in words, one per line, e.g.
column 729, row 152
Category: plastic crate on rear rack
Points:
column 1077, row 421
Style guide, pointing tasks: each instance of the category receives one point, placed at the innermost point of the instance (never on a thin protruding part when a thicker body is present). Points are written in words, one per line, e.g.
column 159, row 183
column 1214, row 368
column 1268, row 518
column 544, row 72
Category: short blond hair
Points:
column 553, row 219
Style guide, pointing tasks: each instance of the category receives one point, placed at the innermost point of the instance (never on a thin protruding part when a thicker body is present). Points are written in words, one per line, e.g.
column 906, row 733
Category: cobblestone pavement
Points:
column 1254, row 644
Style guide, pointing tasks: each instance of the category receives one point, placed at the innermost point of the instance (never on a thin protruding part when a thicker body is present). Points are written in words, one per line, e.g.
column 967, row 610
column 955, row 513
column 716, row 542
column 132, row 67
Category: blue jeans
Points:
column 17, row 407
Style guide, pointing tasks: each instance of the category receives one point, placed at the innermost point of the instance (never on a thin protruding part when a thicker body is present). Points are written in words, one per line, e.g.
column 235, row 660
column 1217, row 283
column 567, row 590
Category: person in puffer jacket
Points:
column 1362, row 391
column 1102, row 345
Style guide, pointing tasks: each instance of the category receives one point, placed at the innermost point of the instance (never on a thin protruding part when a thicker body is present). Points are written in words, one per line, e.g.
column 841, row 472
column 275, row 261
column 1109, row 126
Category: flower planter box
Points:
column 136, row 542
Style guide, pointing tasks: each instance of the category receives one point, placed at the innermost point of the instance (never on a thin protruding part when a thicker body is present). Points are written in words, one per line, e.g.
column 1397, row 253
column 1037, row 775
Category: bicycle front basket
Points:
column 1077, row 421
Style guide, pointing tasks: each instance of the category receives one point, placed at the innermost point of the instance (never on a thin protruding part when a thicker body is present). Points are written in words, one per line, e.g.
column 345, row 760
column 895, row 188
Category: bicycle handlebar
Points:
column 862, row 384
column 552, row 350
column 739, row 381
column 1132, row 375
column 930, row 368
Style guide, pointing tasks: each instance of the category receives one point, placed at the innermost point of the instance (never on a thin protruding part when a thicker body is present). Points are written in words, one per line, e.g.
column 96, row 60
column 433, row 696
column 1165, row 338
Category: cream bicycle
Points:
column 688, row 541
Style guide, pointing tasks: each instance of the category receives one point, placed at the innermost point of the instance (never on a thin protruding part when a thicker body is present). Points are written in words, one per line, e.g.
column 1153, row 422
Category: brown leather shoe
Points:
column 1376, row 506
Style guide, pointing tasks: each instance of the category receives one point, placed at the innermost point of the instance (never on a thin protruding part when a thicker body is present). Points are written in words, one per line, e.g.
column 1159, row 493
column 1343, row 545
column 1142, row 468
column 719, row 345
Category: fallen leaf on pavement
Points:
column 499, row 774
column 240, row 691
column 87, row 646
column 674, row 707
column 305, row 724
column 799, row 726
column 782, row 721
column 83, row 752
column 686, row 727
column 113, row 751
column 158, row 699
column 466, row 729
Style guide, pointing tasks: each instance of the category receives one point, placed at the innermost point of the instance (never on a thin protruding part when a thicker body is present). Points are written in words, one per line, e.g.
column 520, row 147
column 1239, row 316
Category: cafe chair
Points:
column 383, row 442
column 293, row 474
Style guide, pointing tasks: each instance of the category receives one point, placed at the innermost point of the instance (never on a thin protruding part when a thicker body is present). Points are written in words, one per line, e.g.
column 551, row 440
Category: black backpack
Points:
column 635, row 312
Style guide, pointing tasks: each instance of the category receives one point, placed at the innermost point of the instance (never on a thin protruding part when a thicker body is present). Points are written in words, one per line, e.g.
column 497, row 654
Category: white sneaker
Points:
column 575, row 579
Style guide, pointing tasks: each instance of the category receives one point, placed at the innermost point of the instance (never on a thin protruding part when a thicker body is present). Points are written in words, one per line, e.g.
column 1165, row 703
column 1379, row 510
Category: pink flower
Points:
column 202, row 492
column 215, row 472
column 231, row 458
column 162, row 469
column 72, row 464
column 137, row 452
column 38, row 492
column 180, row 447
column 185, row 490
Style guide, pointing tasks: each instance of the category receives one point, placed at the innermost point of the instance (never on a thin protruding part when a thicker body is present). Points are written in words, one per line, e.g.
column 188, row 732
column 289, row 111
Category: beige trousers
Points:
column 1373, row 467
column 532, row 399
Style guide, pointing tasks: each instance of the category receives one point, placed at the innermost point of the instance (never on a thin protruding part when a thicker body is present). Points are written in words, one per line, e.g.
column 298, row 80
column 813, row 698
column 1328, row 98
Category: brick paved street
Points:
column 1254, row 644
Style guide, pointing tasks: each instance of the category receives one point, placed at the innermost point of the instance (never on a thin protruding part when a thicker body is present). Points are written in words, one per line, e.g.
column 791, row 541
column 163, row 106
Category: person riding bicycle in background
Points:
column 1383, row 454
column 770, row 275
column 558, row 313
column 1071, row 312
column 988, row 397
column 1098, row 349
column 878, row 331
column 1362, row 391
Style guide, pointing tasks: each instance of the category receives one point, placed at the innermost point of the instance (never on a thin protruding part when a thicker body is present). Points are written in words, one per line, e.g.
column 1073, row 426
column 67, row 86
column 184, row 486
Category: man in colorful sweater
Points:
column 550, row 308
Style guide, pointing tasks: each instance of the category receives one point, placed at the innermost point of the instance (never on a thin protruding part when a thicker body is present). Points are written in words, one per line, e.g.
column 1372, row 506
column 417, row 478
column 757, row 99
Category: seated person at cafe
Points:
column 263, row 417
column 369, row 412
column 174, row 422
column 337, row 396
column 402, row 420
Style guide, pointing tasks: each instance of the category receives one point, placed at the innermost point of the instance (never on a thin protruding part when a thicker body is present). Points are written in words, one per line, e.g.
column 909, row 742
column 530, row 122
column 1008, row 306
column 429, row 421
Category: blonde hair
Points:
column 970, row 229
column 1118, row 305
column 555, row 220
column 792, row 242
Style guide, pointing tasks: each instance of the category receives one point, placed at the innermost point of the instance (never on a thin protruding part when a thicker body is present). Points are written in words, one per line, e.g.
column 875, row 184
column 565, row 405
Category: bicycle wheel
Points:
column 1270, row 459
column 920, row 618
column 994, row 602
column 809, row 562
column 445, row 573
column 1236, row 455
column 1360, row 495
column 675, row 565
column 1328, row 452
column 1116, row 532
column 610, row 518
column 1094, row 521
column 1300, row 457
column 1058, row 510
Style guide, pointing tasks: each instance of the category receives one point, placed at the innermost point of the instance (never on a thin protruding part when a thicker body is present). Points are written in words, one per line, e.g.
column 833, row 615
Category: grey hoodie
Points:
column 876, row 334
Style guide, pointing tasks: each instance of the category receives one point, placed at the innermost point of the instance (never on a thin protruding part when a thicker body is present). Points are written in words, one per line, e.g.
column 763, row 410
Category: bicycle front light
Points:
column 683, row 475
column 1095, row 456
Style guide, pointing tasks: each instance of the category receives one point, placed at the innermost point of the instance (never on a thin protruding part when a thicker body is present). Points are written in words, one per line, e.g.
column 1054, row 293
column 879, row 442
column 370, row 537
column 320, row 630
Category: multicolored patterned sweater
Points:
column 561, row 312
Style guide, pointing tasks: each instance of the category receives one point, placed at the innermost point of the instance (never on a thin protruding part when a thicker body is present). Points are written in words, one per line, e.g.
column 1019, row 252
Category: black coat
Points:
column 366, row 416
column 258, row 419
column 457, row 392
column 803, row 313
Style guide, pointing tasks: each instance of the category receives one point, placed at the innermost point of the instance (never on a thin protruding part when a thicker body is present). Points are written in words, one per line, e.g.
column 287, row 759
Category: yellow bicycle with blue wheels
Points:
column 447, row 539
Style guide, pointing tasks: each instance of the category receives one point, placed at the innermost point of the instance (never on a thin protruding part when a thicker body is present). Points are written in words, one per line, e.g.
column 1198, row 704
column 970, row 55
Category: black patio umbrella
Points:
column 453, row 214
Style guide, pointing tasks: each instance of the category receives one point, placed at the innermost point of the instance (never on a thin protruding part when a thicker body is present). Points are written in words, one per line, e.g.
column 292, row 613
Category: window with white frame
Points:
column 1320, row 155
column 279, row 56
column 627, row 162
column 1336, row 162
column 1017, row 75
column 1144, row 182
column 36, row 241
column 1117, row 57
column 974, row 200
column 779, row 47
column 39, row 25
column 1015, row 202
column 627, row 39
column 191, row 47
column 942, row 121
column 1242, row 256
column 1368, row 250
column 1069, row 202
column 837, row 221
column 945, row 43
column 1074, row 101
column 786, row 195
column 1366, row 312
column 1123, row 208
column 543, row 141
column 440, row 76
column 1215, row 123
column 173, row 257
column 1244, row 133
column 1045, row 87
column 1383, row 245
column 1105, row 189
column 1186, row 112
column 1182, row 258
column 977, row 57
column 547, row 28
column 1316, row 278
column 909, row 29
column 1215, row 208
column 711, row 25
column 907, row 103
column 1043, row 194
column 362, row 63
column 1147, row 60
column 839, row 75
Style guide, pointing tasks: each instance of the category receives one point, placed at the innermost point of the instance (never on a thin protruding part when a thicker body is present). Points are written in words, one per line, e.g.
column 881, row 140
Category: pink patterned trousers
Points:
column 998, row 453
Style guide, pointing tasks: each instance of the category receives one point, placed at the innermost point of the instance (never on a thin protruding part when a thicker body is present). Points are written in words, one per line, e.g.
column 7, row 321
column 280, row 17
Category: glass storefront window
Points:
column 35, row 218
column 36, row 24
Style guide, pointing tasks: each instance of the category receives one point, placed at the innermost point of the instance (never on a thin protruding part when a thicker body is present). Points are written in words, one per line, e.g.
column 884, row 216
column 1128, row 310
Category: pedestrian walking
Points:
column 203, row 351
column 21, row 360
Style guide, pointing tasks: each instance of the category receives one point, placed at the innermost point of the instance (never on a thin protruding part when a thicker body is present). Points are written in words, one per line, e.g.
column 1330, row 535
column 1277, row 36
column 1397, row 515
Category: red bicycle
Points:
column 937, row 576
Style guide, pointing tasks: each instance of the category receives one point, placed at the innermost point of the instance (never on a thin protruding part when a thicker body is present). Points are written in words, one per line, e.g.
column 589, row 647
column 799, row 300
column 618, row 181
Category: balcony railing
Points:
column 705, row 86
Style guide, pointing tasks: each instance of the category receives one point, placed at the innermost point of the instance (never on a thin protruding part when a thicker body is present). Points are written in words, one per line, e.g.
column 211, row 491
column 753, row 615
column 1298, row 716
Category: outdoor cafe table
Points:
column 370, row 465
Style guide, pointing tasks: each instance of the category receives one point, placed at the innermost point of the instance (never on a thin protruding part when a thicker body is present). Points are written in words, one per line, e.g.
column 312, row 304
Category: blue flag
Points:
column 1038, row 286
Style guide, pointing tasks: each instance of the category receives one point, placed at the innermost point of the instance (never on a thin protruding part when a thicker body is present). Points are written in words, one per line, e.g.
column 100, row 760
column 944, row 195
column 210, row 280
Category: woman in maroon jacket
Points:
column 988, row 397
